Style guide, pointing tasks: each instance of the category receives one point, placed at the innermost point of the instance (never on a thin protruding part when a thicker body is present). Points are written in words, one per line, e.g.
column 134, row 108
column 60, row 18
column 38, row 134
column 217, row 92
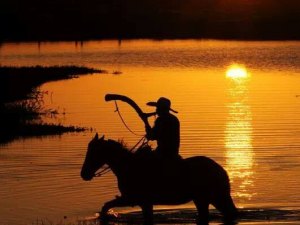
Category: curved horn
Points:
column 142, row 115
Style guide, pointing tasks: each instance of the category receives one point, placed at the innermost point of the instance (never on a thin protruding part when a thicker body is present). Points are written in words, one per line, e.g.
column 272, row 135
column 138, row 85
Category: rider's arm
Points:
column 151, row 133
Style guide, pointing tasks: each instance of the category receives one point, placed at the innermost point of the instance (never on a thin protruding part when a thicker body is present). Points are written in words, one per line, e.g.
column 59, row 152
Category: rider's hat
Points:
column 162, row 103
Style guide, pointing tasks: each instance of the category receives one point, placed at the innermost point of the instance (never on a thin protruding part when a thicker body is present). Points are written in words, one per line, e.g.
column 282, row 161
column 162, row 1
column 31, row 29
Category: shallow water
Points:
column 238, row 103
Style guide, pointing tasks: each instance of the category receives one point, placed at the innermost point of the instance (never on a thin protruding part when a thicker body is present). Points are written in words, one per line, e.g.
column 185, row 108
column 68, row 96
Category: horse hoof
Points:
column 202, row 222
column 103, row 221
column 103, row 217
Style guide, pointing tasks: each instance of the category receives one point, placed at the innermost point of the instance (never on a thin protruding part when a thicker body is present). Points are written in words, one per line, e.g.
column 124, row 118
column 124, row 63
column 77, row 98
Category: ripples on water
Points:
column 185, row 54
column 187, row 216
column 237, row 104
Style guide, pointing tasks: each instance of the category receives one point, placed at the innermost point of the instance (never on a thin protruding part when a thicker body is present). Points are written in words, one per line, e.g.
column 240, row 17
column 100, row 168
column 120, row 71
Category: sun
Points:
column 237, row 71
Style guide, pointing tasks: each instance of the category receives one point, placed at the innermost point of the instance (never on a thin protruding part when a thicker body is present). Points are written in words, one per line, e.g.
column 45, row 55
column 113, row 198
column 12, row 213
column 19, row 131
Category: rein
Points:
column 102, row 172
column 143, row 116
column 123, row 121
column 108, row 169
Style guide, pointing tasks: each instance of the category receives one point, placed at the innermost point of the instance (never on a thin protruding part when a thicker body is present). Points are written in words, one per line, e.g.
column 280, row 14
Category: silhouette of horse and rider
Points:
column 160, row 177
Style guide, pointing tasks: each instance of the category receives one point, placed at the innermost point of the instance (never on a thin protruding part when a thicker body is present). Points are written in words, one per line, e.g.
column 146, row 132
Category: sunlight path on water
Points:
column 239, row 132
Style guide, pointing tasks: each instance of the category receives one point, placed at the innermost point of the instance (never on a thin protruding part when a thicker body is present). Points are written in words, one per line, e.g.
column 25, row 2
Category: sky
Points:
column 77, row 19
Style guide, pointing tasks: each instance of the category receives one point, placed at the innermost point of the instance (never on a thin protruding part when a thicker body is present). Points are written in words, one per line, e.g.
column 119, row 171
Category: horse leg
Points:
column 118, row 202
column 203, row 211
column 148, row 214
column 226, row 206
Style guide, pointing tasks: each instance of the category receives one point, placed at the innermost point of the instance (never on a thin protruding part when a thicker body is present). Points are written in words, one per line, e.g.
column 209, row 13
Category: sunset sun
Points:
column 236, row 71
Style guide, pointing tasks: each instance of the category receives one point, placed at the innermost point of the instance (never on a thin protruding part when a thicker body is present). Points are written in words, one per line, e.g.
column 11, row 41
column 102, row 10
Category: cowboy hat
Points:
column 162, row 103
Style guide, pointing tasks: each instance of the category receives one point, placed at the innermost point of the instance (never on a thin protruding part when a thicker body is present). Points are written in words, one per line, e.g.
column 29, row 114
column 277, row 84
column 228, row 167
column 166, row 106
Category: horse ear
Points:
column 102, row 138
column 96, row 136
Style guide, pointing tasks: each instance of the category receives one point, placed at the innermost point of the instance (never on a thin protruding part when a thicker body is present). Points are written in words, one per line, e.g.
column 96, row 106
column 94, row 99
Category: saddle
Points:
column 159, row 166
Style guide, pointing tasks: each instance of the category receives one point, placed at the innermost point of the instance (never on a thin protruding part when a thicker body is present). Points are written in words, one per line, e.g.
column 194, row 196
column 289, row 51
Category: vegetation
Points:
column 16, row 83
column 21, row 102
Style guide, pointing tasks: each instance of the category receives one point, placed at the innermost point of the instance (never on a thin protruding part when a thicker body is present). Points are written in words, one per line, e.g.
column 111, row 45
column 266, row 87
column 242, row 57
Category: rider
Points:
column 166, row 129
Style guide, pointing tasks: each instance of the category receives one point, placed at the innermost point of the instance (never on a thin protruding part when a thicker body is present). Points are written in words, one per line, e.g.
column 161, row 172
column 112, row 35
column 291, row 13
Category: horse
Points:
column 145, row 180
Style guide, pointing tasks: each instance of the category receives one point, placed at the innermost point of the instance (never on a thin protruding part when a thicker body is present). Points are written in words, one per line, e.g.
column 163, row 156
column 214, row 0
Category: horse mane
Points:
column 120, row 144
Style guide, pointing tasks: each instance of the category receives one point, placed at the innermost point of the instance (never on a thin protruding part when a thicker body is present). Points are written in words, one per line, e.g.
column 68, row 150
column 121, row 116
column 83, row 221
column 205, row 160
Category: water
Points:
column 238, row 103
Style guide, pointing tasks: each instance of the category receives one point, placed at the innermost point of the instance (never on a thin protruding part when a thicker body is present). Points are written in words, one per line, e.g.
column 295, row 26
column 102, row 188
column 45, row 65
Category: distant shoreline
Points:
column 79, row 40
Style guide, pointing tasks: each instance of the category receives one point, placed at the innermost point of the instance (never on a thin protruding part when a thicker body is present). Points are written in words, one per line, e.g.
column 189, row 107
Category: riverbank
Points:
column 187, row 216
column 21, row 103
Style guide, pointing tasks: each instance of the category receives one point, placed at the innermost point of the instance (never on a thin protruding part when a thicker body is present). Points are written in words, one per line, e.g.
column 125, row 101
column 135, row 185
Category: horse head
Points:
column 94, row 159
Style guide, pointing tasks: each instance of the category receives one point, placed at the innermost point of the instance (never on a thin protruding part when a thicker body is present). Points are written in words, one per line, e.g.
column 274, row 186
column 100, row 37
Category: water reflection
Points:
column 238, row 132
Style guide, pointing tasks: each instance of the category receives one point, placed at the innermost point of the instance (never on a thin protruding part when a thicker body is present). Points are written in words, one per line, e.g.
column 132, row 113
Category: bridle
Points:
column 142, row 115
column 107, row 169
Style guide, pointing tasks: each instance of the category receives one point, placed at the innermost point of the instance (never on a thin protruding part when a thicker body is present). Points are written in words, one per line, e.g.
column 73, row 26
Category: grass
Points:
column 21, row 102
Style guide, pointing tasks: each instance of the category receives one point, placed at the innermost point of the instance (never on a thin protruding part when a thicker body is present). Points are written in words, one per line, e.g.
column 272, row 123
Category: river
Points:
column 238, row 103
